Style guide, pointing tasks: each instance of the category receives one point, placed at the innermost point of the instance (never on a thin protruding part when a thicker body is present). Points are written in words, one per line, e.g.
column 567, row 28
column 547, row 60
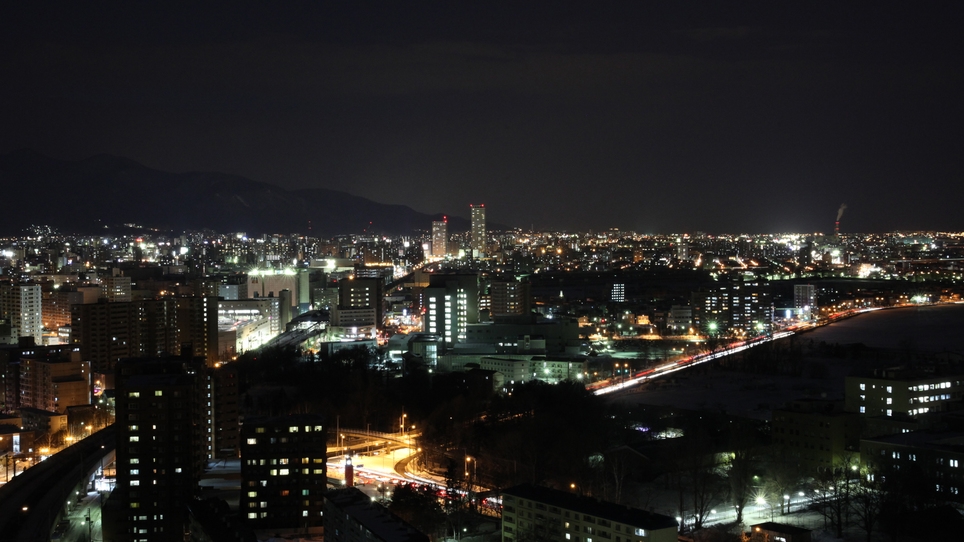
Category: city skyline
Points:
column 558, row 116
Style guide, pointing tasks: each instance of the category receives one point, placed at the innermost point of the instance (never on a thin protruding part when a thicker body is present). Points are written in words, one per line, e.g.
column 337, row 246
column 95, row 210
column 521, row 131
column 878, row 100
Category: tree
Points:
column 866, row 504
column 740, row 478
column 419, row 507
column 833, row 491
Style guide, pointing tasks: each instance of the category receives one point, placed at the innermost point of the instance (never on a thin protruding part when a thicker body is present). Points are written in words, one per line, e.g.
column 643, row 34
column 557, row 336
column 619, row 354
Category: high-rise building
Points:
column 160, row 452
column 20, row 304
column 283, row 473
column 451, row 303
column 109, row 332
column 478, row 230
column 362, row 293
column 805, row 299
column 54, row 384
column 738, row 307
column 510, row 298
column 116, row 289
column 440, row 237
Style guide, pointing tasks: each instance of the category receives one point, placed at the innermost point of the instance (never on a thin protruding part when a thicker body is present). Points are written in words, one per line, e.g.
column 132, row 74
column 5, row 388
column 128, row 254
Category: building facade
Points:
column 440, row 238
column 534, row 512
column 283, row 472
column 478, row 230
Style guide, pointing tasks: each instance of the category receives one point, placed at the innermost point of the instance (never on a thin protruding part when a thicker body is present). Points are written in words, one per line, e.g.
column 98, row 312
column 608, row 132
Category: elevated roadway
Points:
column 32, row 502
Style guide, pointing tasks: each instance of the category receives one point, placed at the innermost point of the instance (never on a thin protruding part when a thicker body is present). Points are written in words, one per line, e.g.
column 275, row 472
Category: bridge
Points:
column 32, row 503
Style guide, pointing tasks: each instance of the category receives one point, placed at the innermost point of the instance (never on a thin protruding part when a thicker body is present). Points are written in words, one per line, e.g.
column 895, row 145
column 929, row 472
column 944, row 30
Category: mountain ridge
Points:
column 84, row 196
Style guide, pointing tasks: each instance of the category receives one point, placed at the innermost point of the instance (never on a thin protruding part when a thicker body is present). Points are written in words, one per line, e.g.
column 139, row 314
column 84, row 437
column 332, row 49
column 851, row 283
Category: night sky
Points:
column 656, row 117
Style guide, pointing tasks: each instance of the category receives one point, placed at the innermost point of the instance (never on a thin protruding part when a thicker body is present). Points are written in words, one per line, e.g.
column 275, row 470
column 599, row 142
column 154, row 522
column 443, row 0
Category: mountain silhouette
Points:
column 104, row 191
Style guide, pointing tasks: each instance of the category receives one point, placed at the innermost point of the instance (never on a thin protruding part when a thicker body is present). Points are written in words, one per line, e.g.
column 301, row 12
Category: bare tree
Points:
column 866, row 504
column 740, row 478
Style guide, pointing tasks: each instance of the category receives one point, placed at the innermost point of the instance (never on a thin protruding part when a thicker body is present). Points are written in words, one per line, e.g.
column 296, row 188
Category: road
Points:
column 611, row 386
column 80, row 530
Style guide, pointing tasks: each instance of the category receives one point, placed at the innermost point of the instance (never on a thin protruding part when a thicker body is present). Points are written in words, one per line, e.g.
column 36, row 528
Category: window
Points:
column 953, row 463
column 863, row 409
column 133, row 394
column 252, row 494
column 863, row 387
column 252, row 441
column 158, row 393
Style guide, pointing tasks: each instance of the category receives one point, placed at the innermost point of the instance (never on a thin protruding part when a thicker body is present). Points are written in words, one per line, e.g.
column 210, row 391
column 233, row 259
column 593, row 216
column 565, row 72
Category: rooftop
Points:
column 594, row 507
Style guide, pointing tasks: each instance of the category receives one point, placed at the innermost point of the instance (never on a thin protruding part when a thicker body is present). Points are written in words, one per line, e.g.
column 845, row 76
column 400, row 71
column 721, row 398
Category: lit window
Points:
column 252, row 441
column 134, row 394
column 158, row 393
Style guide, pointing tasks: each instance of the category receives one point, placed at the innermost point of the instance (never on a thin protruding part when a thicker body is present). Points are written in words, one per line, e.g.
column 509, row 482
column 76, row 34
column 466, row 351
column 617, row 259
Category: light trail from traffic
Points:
column 692, row 361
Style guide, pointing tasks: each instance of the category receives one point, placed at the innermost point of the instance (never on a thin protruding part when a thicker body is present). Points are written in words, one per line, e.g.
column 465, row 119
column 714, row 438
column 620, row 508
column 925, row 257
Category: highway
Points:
column 611, row 386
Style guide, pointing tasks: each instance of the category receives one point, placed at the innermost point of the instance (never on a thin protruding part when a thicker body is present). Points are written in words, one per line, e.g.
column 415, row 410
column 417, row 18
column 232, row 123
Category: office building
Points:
column 359, row 303
column 935, row 459
column 478, row 230
column 283, row 473
column 451, row 303
column 530, row 511
column 351, row 516
column 440, row 238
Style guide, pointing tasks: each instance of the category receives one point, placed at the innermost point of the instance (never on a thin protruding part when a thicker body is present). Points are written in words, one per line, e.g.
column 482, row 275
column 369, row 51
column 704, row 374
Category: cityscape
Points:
column 533, row 272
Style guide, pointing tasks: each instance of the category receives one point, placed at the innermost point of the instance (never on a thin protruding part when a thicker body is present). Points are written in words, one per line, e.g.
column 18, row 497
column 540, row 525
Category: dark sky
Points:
column 653, row 116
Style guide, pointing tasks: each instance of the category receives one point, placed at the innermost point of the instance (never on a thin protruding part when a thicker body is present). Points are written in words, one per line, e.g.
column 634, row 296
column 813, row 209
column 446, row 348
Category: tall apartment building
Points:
column 739, row 307
column 54, row 384
column 805, row 299
column 440, row 238
column 478, row 230
column 55, row 306
column 116, row 289
column 21, row 305
column 283, row 472
column 160, row 453
column 451, row 303
column 510, row 298
column 530, row 511
column 109, row 332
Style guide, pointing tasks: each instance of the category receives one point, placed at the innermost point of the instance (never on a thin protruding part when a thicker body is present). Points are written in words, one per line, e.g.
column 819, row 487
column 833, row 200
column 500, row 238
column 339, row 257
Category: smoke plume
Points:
column 843, row 207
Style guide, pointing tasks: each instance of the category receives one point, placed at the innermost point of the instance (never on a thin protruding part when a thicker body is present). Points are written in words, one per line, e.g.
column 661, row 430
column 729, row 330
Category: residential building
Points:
column 935, row 460
column 54, row 384
column 805, row 300
column 351, row 516
column 160, row 450
column 901, row 391
column 530, row 511
column 478, row 230
column 440, row 238
column 509, row 298
column 815, row 434
column 21, row 305
column 283, row 473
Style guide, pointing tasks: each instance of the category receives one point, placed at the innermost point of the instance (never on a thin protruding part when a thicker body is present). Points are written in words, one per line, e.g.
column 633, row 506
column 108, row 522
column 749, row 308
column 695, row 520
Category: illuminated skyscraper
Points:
column 440, row 237
column 478, row 229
